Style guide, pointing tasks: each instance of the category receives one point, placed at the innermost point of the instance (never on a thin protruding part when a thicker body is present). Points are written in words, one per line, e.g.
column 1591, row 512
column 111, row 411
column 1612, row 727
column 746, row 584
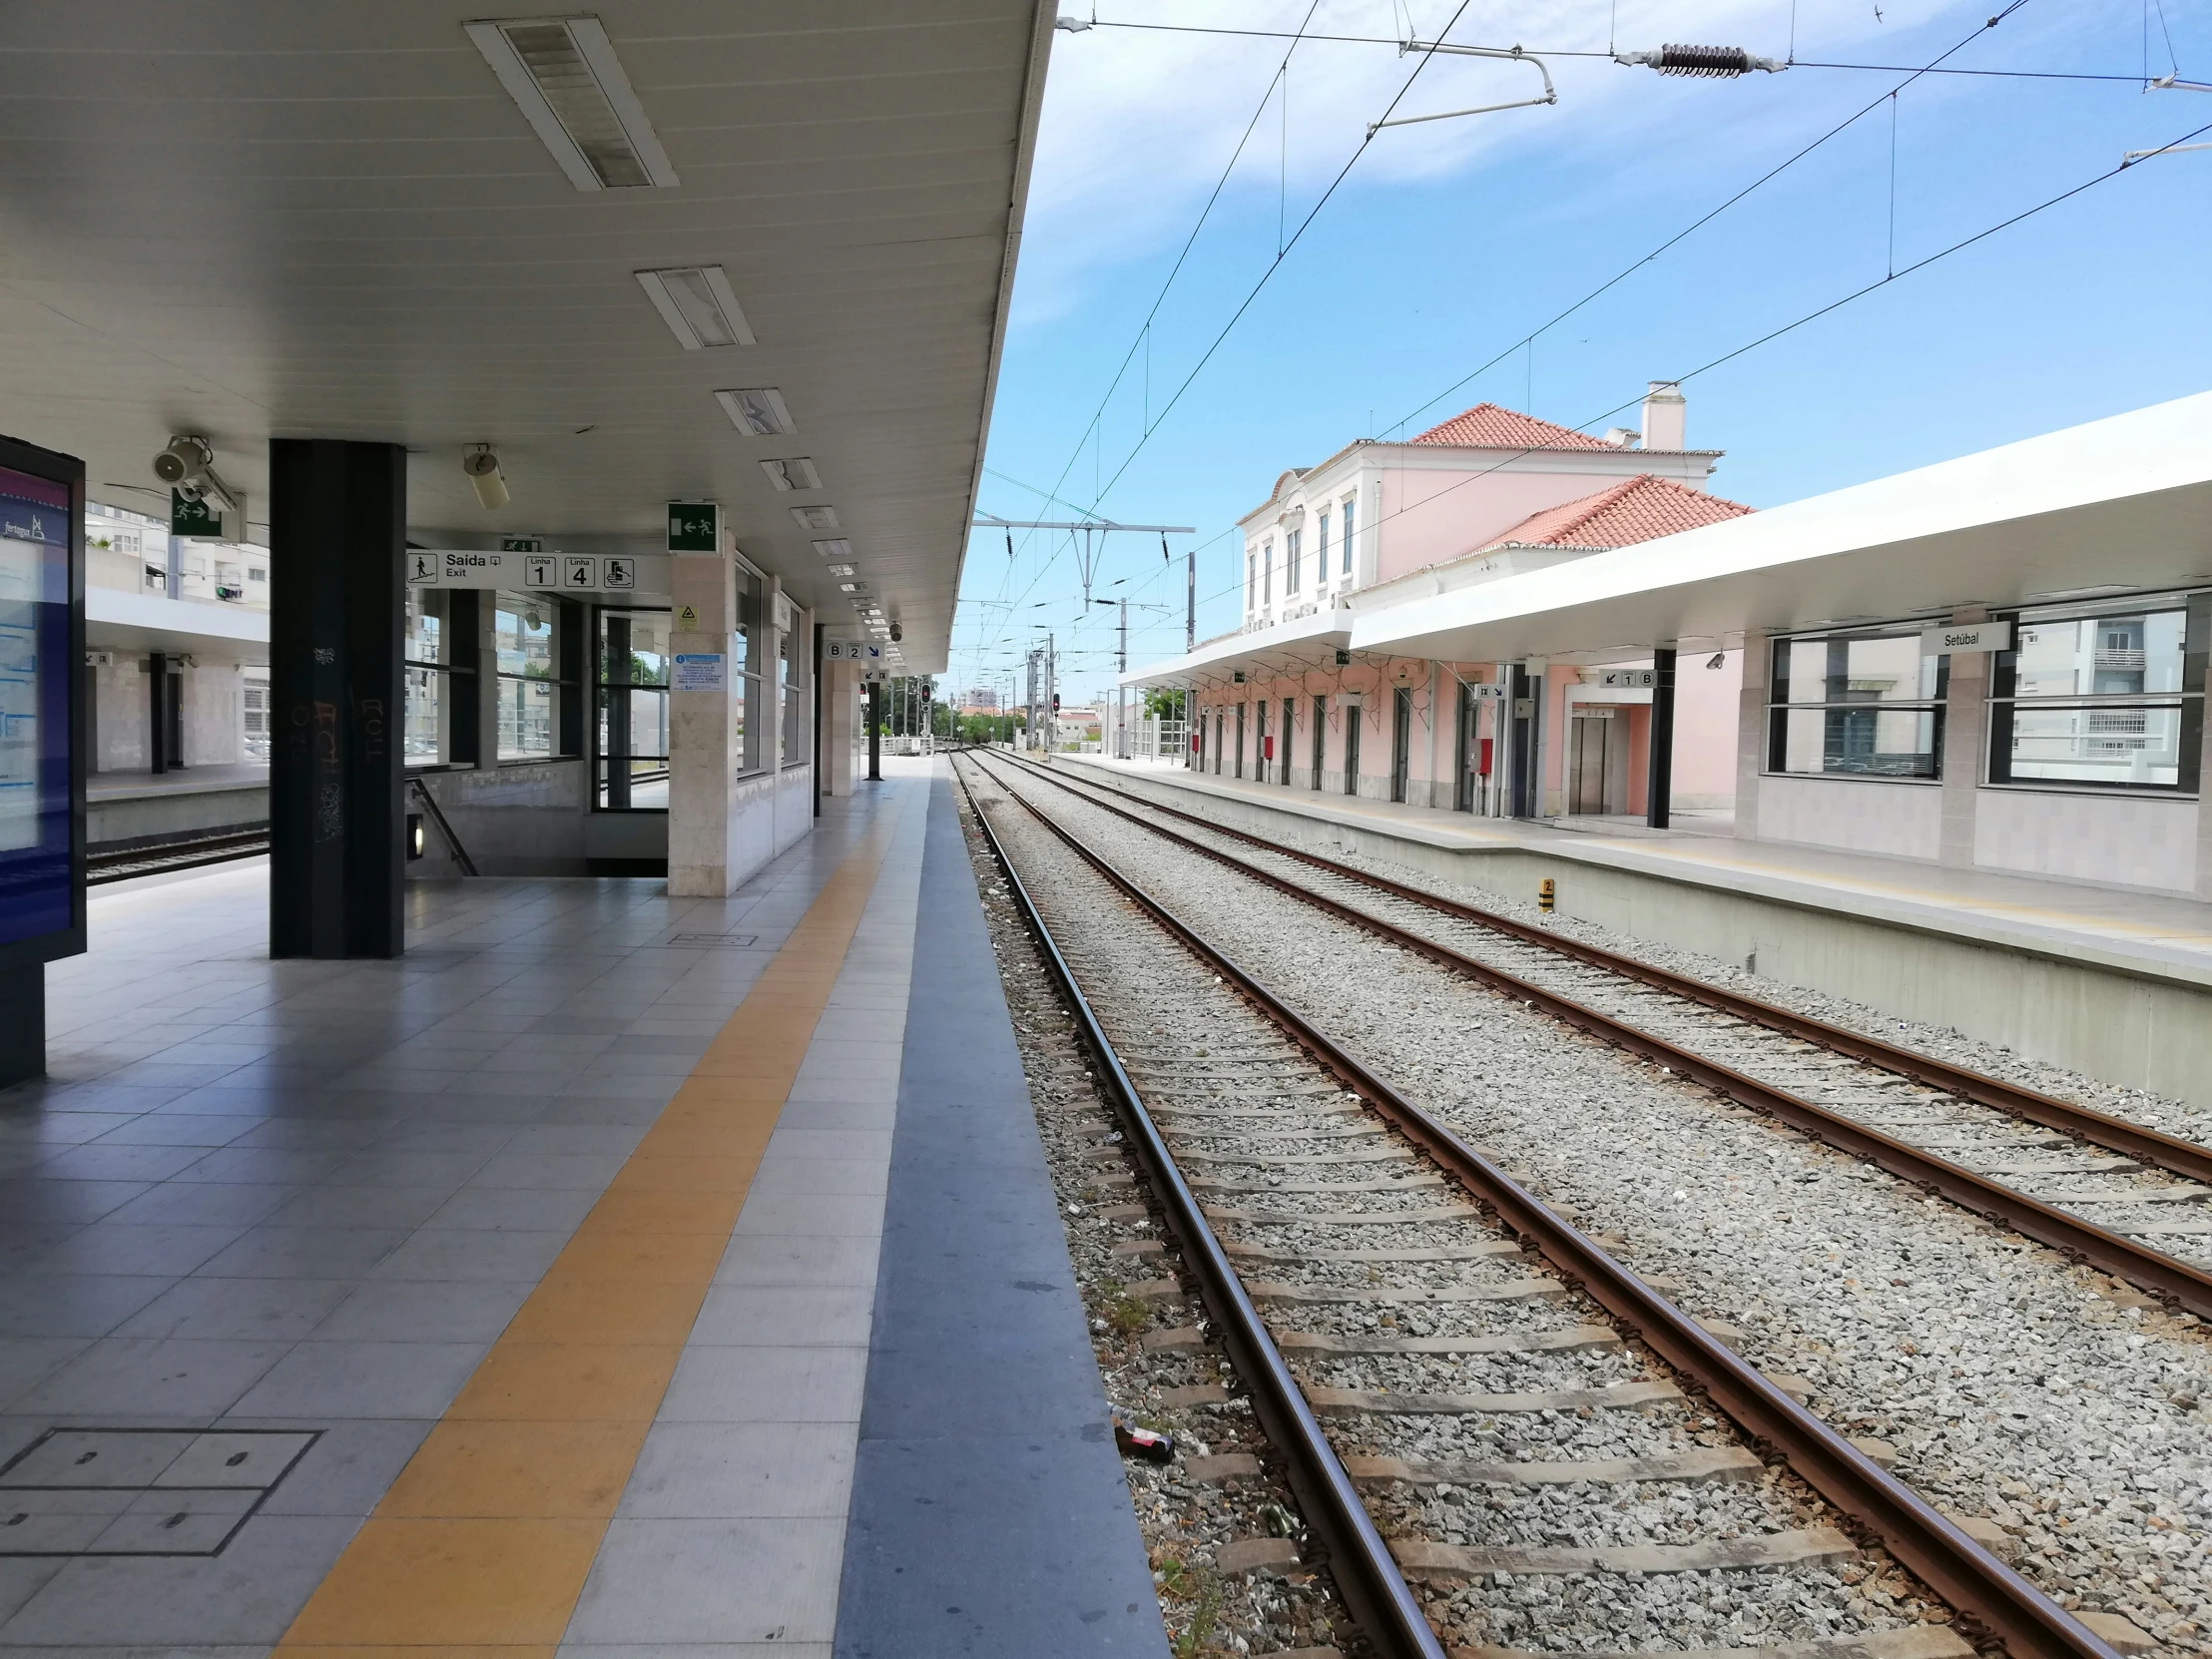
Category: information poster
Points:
column 39, row 893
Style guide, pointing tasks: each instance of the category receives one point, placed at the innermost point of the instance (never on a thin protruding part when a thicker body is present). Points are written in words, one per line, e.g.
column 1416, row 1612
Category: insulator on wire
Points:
column 1706, row 63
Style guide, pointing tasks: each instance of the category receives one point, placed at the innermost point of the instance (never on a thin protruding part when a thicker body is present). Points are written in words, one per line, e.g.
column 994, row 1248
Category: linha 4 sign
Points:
column 570, row 572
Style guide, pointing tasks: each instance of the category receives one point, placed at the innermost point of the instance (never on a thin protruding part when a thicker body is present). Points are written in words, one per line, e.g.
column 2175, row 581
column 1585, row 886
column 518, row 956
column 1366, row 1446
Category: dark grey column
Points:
column 874, row 737
column 1660, row 784
column 156, row 712
column 337, row 541
column 23, row 1026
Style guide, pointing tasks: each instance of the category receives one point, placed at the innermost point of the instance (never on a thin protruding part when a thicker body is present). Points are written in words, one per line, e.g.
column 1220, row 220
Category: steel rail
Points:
column 1974, row 1582
column 2168, row 1152
column 2162, row 1276
column 1374, row 1591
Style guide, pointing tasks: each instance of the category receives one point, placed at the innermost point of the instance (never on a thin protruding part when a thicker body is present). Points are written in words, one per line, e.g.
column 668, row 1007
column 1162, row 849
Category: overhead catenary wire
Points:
column 1705, row 219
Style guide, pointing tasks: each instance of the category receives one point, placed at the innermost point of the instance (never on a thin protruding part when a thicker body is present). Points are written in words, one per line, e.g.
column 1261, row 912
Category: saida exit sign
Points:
column 694, row 527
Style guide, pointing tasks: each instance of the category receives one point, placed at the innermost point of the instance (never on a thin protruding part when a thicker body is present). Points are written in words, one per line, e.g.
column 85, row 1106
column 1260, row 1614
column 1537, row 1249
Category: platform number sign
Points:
column 537, row 570
column 694, row 527
column 579, row 572
column 618, row 574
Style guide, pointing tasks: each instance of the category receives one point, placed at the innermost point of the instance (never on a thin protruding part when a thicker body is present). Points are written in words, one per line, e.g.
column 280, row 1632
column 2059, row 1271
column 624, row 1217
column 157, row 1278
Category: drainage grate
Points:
column 139, row 1491
column 730, row 941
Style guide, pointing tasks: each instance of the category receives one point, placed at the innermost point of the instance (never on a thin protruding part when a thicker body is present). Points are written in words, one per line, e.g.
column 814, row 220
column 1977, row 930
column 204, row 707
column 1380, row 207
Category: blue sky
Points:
column 1450, row 241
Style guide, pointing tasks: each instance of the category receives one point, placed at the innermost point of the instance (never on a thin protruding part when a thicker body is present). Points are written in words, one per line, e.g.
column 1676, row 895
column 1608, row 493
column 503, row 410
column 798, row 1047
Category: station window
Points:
column 1320, row 551
column 256, row 719
column 2113, row 699
column 1349, row 503
column 746, row 671
column 790, row 679
column 631, row 695
column 1290, row 550
column 528, row 676
column 1860, row 705
column 1267, row 573
column 1252, row 578
column 436, row 678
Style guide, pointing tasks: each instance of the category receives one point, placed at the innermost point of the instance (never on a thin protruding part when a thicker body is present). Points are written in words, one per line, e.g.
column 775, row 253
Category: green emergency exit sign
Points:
column 694, row 527
column 191, row 515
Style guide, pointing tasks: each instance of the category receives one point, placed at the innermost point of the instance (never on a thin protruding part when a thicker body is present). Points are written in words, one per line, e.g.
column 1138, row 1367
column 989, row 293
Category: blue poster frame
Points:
column 60, row 678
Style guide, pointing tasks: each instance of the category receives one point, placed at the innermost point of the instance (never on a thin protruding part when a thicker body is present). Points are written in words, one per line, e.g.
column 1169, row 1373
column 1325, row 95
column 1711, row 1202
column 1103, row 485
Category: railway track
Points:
column 121, row 864
column 2096, row 1187
column 1494, row 1428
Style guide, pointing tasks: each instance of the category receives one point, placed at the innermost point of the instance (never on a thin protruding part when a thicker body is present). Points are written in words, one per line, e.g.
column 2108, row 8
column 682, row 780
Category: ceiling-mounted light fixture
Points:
column 843, row 570
column 698, row 306
column 481, row 462
column 797, row 473
column 757, row 412
column 836, row 547
column 816, row 518
column 563, row 74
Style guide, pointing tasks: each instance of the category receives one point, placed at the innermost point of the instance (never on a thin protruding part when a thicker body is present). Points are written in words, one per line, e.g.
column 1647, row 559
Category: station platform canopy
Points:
column 402, row 224
column 2121, row 505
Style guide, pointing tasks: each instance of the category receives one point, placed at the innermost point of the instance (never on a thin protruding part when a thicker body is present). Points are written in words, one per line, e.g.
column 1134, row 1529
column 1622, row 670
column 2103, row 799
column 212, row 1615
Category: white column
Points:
column 1963, row 739
column 840, row 724
column 705, row 747
column 1750, row 732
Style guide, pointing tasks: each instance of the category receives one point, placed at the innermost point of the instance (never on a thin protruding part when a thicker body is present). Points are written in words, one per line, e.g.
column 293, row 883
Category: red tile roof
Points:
column 1635, row 509
column 1487, row 426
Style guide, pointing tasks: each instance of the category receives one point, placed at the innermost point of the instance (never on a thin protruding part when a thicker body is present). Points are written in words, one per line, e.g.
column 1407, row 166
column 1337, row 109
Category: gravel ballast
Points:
column 2018, row 1387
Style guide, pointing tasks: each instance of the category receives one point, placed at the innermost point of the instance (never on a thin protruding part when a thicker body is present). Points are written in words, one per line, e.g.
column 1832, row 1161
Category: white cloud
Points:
column 1137, row 124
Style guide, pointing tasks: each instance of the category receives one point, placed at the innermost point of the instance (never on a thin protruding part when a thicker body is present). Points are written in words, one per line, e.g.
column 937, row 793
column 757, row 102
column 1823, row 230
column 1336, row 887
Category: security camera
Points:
column 481, row 464
column 898, row 632
column 185, row 460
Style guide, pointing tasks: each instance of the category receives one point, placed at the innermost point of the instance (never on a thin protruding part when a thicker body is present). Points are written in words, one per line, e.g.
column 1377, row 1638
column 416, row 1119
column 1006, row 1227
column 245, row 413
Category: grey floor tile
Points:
column 529, row 1209
column 159, row 1250
column 729, row 1471
column 262, row 1165
column 136, row 1377
column 377, row 1166
column 73, row 1304
column 713, row 1581
column 363, row 1379
column 349, row 1468
column 766, row 1384
column 26, row 1362
column 763, row 1259
column 472, row 1253
column 386, row 1207
column 248, row 1594
column 203, row 1204
column 252, row 1310
column 430, row 1310
column 306, row 1253
column 813, row 1214
column 822, row 1177
column 745, row 1315
column 180, row 1129
column 551, row 1170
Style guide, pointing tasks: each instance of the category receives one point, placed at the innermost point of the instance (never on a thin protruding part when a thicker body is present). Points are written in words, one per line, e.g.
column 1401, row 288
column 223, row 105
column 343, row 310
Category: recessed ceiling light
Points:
column 796, row 473
column 845, row 570
column 757, row 412
column 697, row 305
column 816, row 518
column 851, row 587
column 836, row 547
column 563, row 74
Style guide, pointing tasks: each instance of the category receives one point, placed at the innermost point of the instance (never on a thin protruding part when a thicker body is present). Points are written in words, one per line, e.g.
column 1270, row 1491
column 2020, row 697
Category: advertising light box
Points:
column 42, row 642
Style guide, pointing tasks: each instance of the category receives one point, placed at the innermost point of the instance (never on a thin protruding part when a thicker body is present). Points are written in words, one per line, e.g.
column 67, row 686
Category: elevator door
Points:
column 1597, row 765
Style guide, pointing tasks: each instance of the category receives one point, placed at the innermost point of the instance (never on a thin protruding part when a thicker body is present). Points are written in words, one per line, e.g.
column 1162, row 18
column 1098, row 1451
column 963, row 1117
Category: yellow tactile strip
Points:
column 481, row 1546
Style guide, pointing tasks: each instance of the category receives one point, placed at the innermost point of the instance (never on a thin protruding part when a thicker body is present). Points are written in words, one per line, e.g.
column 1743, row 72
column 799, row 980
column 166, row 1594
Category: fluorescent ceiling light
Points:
column 816, row 518
column 851, row 587
column 697, row 305
column 563, row 74
column 845, row 570
column 757, row 412
column 796, row 474
column 836, row 547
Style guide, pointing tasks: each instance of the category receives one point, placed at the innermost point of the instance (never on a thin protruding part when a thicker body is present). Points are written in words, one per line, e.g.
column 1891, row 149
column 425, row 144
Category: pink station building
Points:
column 1487, row 495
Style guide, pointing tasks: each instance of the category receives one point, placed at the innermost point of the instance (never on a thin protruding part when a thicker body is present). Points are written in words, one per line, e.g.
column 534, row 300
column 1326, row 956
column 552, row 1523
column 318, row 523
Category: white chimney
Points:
column 1665, row 420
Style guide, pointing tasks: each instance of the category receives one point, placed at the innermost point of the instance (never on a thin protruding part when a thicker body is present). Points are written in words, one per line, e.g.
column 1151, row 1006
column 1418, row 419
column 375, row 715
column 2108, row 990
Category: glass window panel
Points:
column 522, row 636
column 1880, row 668
column 1868, row 742
column 429, row 717
column 2136, row 744
column 427, row 638
column 750, row 589
column 525, row 719
column 2107, row 656
column 633, row 710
